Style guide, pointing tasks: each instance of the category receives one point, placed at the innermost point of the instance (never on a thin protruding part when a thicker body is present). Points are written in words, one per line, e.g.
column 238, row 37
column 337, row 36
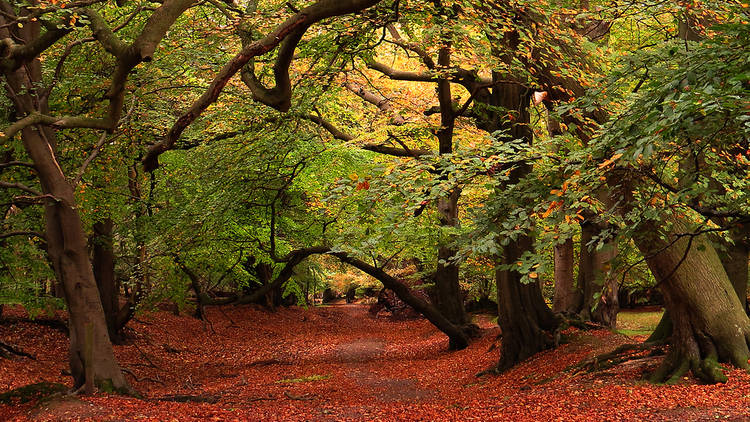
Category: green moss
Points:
column 32, row 392
column 304, row 379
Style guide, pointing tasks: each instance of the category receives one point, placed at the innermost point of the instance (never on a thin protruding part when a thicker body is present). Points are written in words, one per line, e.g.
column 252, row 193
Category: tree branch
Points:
column 302, row 20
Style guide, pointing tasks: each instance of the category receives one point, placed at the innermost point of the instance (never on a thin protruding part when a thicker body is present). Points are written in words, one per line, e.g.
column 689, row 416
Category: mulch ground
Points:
column 341, row 363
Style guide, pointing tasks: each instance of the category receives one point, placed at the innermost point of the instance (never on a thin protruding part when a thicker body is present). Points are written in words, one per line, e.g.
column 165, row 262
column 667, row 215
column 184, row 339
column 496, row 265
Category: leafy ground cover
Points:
column 340, row 363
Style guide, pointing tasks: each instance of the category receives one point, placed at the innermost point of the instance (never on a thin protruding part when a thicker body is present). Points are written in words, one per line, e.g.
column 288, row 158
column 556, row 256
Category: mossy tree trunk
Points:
column 709, row 324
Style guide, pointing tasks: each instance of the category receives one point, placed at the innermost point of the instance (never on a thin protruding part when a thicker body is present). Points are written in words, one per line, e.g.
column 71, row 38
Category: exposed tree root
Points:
column 621, row 354
column 676, row 365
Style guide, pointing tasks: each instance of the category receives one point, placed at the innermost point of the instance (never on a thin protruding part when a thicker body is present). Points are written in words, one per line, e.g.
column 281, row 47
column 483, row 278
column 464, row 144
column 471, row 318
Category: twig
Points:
column 304, row 397
column 147, row 358
column 128, row 371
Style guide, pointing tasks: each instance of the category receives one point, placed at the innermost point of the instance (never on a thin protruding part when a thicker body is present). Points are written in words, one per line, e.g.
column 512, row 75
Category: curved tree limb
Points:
column 293, row 27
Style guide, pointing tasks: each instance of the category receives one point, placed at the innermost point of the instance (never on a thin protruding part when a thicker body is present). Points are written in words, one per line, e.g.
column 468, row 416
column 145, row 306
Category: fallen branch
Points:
column 7, row 350
column 129, row 372
column 188, row 398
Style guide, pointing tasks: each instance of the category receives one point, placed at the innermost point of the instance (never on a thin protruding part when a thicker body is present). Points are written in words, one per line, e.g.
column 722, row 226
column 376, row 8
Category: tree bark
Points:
column 568, row 297
column 735, row 262
column 450, row 297
column 91, row 355
column 92, row 361
column 104, row 272
column 525, row 319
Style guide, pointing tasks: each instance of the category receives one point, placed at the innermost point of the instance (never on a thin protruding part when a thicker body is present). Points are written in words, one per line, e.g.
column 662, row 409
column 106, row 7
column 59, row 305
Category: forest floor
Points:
column 341, row 363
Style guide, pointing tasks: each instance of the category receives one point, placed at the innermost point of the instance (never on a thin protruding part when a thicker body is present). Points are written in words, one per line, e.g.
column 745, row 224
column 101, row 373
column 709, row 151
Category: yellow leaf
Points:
column 533, row 275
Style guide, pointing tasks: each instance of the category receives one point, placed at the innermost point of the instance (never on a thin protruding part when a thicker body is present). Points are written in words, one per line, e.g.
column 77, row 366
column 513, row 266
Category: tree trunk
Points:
column 104, row 272
column 600, row 288
column 449, row 296
column 568, row 297
column 525, row 319
column 458, row 337
column 708, row 322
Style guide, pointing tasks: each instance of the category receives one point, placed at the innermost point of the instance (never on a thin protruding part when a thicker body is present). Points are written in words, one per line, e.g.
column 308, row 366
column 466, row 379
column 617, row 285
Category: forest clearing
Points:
column 341, row 363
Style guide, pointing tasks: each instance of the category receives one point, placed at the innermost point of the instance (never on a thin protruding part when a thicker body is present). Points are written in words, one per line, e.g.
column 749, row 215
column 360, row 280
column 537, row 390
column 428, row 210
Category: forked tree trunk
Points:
column 92, row 361
column 708, row 322
column 568, row 297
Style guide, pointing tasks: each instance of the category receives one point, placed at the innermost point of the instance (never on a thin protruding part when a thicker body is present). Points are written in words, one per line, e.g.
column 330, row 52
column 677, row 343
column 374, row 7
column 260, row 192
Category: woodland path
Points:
column 340, row 363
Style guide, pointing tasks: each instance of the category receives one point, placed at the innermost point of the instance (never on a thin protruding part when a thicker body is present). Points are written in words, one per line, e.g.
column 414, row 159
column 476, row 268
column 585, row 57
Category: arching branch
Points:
column 292, row 27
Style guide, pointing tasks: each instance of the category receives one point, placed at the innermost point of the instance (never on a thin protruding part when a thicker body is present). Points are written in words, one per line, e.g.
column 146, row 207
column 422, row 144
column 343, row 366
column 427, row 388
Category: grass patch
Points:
column 637, row 323
column 308, row 378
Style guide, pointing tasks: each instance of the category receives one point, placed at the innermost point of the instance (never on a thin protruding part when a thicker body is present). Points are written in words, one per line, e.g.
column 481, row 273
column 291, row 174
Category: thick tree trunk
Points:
column 526, row 321
column 104, row 272
column 568, row 297
column 92, row 361
column 708, row 322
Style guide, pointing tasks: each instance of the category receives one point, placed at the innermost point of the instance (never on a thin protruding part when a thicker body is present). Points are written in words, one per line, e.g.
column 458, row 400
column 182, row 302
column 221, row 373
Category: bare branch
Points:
column 20, row 186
